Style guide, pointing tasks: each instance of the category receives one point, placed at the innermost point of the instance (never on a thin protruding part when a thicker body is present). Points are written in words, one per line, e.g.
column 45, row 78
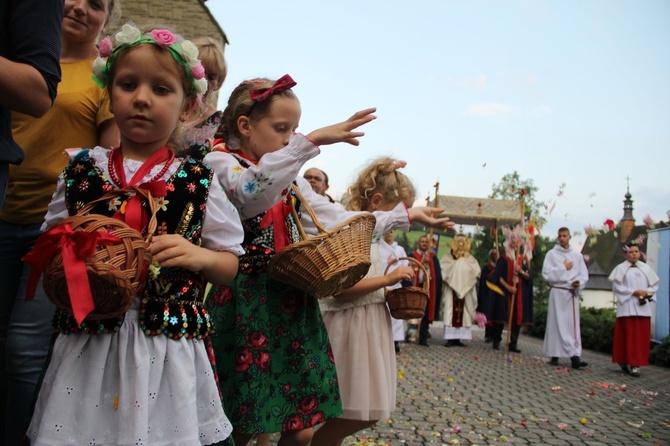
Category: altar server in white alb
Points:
column 634, row 284
column 565, row 271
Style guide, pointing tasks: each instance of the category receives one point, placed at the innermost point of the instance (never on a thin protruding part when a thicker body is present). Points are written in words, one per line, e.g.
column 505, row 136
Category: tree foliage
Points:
column 512, row 187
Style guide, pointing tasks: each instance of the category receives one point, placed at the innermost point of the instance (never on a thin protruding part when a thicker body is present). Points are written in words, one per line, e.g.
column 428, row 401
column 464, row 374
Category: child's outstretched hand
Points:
column 425, row 215
column 342, row 132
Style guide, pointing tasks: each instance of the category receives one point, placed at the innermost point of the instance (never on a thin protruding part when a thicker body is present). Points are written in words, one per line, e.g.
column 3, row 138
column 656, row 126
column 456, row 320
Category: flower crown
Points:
column 183, row 51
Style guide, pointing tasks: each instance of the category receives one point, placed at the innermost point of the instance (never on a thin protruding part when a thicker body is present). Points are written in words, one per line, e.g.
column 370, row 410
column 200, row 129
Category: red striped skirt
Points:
column 632, row 338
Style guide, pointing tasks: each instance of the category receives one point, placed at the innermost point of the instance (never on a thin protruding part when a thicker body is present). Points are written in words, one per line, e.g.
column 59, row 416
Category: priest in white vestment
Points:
column 460, row 275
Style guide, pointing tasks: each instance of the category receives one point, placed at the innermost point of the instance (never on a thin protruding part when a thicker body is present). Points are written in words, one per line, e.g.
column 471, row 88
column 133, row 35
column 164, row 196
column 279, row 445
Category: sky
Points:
column 572, row 94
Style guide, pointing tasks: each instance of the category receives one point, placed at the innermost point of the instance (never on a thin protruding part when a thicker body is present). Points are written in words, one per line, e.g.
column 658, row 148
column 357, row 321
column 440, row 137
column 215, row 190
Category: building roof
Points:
column 604, row 251
column 598, row 278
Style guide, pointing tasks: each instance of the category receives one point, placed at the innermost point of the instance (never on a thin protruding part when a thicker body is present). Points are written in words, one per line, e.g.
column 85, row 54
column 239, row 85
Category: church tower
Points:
column 627, row 221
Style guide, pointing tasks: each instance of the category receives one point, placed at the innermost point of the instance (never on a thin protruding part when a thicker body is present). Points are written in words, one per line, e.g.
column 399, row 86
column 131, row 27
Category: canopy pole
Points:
column 430, row 234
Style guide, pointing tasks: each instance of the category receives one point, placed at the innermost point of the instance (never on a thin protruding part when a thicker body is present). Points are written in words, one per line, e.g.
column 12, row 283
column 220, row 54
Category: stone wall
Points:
column 191, row 18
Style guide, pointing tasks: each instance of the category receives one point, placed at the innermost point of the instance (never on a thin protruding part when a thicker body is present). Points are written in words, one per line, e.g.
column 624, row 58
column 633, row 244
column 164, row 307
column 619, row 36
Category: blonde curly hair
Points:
column 380, row 176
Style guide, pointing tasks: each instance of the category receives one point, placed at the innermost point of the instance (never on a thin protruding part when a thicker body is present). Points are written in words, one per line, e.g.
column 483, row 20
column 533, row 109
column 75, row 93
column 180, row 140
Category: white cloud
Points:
column 473, row 83
column 489, row 109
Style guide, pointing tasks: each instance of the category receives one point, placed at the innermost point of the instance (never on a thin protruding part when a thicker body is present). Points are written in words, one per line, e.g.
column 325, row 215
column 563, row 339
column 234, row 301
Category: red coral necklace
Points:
column 118, row 174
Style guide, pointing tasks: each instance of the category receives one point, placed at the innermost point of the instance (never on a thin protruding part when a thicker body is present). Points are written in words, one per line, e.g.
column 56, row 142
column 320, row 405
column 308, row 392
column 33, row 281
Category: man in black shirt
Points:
column 30, row 43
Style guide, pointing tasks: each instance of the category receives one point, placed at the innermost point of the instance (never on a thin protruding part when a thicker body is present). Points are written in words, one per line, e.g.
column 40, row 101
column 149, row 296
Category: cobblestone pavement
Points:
column 475, row 395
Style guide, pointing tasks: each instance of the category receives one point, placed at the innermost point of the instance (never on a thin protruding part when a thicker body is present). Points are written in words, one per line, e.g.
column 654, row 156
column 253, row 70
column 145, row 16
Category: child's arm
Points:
column 332, row 214
column 172, row 250
column 256, row 189
column 57, row 210
column 221, row 228
column 370, row 284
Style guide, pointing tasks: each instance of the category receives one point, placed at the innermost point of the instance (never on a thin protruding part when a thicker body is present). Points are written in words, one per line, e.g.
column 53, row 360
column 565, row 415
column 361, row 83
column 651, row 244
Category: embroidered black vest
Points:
column 172, row 299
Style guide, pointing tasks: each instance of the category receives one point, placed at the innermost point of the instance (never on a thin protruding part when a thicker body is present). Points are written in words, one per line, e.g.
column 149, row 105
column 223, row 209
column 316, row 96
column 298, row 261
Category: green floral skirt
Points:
column 274, row 360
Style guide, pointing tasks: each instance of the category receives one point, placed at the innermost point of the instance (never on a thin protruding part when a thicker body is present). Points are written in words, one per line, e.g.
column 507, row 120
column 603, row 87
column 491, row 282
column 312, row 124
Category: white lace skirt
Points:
column 364, row 354
column 128, row 389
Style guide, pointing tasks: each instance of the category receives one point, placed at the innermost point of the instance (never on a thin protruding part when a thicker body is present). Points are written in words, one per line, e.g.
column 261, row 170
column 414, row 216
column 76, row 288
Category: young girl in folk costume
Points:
column 358, row 320
column 512, row 302
column 146, row 377
column 273, row 354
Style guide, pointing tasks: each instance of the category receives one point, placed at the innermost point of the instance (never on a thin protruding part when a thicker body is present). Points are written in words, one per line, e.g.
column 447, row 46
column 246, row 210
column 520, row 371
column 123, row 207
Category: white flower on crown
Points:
column 99, row 66
column 200, row 85
column 189, row 51
column 128, row 34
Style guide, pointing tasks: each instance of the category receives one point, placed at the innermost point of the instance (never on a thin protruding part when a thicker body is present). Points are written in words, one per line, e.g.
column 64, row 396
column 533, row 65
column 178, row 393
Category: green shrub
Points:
column 597, row 325
column 660, row 354
column 539, row 321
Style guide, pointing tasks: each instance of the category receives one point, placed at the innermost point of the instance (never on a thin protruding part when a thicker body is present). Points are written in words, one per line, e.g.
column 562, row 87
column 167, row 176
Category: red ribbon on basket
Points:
column 276, row 217
column 75, row 246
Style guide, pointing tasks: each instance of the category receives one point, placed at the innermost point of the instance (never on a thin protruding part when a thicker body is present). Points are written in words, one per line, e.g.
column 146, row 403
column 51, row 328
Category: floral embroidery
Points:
column 190, row 187
column 196, row 168
column 78, row 168
column 250, row 187
column 162, row 203
column 83, row 186
column 114, row 204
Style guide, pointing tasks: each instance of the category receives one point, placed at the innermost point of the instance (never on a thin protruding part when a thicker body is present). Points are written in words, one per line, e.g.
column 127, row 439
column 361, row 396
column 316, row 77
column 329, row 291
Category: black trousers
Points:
column 423, row 330
column 497, row 333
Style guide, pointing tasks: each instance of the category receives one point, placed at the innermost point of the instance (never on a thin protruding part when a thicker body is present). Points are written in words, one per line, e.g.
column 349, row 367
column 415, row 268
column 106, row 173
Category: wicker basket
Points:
column 408, row 302
column 330, row 262
column 116, row 272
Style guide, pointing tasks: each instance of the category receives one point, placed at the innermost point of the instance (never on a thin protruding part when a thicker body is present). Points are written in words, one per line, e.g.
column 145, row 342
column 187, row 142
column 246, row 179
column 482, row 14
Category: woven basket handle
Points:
column 151, row 228
column 426, row 282
column 309, row 210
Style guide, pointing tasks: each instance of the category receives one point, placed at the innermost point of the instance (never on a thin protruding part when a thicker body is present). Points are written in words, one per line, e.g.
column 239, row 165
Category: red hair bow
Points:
column 282, row 84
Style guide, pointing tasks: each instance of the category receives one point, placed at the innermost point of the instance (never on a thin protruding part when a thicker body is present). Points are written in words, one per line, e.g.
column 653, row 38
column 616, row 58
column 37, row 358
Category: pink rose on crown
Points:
column 163, row 37
column 105, row 47
column 197, row 70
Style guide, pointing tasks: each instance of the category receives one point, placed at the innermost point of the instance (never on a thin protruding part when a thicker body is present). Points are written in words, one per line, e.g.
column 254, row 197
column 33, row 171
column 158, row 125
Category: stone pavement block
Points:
column 488, row 394
column 557, row 442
